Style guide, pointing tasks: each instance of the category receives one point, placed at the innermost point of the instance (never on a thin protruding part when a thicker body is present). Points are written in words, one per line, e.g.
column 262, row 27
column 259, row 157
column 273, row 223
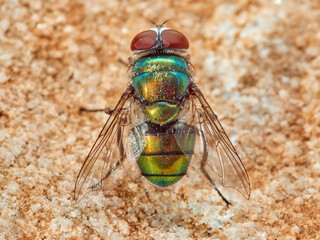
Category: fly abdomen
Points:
column 166, row 156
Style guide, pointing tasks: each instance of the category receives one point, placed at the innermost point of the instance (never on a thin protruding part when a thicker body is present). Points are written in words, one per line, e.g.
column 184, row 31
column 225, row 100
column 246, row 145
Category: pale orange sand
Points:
column 257, row 63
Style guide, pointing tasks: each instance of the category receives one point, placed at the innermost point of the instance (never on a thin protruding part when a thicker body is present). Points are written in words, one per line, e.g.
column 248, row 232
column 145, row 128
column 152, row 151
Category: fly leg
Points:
column 107, row 110
column 123, row 62
column 203, row 164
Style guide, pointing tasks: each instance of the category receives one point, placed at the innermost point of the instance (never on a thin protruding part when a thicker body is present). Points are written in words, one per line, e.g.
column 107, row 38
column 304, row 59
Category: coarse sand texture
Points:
column 256, row 62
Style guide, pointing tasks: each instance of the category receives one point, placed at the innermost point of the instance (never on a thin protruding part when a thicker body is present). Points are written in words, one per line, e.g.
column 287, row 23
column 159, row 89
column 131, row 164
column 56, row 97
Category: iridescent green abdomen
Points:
column 160, row 82
column 166, row 156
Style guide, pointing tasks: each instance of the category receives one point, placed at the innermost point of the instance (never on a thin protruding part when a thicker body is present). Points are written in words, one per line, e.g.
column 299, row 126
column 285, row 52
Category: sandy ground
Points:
column 257, row 63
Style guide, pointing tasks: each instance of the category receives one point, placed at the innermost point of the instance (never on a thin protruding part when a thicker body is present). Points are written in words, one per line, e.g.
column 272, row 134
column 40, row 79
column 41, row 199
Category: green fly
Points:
column 162, row 124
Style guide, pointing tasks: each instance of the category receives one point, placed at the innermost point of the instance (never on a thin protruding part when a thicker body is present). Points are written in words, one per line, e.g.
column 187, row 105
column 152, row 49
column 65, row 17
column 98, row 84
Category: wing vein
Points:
column 227, row 167
column 105, row 139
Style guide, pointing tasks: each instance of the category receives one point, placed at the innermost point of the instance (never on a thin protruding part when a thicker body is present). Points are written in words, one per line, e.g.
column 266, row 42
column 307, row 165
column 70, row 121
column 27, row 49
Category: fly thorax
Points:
column 159, row 82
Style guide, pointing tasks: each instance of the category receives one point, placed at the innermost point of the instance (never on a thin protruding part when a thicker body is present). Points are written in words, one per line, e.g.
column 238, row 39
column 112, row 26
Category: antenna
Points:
column 161, row 25
column 166, row 21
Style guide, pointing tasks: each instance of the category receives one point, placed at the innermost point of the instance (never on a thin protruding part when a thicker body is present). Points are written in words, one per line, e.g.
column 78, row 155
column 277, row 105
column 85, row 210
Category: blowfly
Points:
column 162, row 124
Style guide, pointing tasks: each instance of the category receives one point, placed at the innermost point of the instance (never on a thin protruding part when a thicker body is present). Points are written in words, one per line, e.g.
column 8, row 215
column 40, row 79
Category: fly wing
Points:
column 219, row 159
column 108, row 151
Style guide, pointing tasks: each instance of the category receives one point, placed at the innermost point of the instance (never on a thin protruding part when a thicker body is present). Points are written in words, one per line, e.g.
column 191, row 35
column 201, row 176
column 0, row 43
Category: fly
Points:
column 162, row 123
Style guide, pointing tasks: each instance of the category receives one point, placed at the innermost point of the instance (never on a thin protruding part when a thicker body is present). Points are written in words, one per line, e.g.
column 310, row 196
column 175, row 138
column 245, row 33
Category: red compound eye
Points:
column 174, row 39
column 144, row 40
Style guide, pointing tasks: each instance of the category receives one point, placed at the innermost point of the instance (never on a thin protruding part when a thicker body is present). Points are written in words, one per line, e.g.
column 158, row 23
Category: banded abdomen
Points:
column 166, row 156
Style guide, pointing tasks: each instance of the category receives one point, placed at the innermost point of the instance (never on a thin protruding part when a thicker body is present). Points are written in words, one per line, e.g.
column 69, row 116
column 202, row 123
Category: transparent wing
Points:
column 218, row 158
column 107, row 152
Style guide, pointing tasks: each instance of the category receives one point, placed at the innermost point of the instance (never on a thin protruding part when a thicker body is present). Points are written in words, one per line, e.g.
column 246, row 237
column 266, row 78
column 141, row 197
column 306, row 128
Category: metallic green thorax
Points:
column 159, row 82
column 166, row 156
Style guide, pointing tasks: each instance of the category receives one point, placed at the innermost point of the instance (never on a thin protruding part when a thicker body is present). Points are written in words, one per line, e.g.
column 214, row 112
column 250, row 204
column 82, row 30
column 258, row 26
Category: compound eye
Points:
column 144, row 40
column 174, row 39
